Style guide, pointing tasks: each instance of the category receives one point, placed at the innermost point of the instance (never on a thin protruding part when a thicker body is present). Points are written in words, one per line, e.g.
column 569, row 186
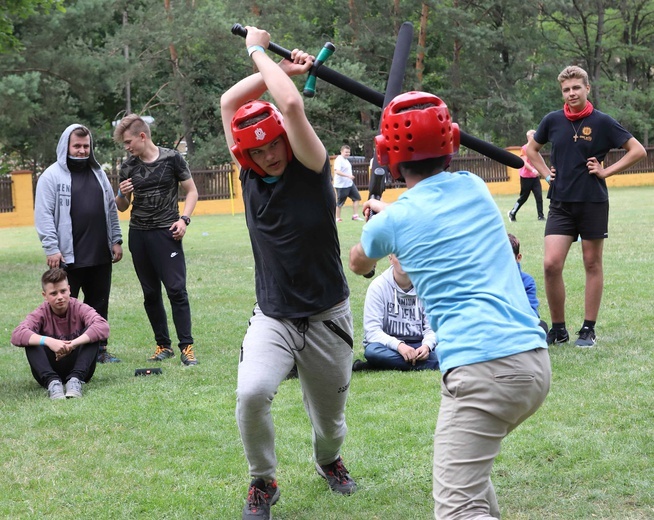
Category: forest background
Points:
column 494, row 63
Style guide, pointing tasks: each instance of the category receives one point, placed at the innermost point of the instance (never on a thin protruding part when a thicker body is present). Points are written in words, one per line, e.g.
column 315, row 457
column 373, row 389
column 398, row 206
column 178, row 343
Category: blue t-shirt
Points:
column 450, row 239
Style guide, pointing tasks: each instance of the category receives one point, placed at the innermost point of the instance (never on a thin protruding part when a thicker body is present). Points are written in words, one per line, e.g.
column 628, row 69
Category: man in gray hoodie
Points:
column 76, row 219
column 397, row 334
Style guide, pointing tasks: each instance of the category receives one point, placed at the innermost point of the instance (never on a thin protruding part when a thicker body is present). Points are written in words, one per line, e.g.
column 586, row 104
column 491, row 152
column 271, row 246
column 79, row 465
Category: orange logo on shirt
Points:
column 585, row 133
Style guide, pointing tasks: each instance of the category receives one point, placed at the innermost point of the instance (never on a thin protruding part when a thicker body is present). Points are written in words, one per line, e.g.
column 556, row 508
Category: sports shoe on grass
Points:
column 337, row 477
column 511, row 216
column 261, row 497
column 357, row 217
column 162, row 353
column 586, row 338
column 56, row 390
column 106, row 357
column 359, row 365
column 557, row 336
column 74, row 387
column 188, row 356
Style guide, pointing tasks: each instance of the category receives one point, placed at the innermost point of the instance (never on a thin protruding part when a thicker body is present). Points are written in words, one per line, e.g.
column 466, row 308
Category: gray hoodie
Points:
column 392, row 316
column 52, row 206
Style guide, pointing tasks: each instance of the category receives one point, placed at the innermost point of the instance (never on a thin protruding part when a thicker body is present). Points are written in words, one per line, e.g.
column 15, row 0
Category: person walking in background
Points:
column 529, row 183
column 76, row 219
column 491, row 351
column 581, row 136
column 151, row 176
column 61, row 338
column 344, row 184
column 396, row 331
column 302, row 315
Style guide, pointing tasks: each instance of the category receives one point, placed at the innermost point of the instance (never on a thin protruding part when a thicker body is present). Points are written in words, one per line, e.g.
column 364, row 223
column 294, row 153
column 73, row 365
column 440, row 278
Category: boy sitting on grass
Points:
column 61, row 338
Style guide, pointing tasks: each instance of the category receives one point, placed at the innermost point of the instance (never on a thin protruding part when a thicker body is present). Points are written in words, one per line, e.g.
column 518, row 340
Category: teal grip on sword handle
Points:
column 310, row 85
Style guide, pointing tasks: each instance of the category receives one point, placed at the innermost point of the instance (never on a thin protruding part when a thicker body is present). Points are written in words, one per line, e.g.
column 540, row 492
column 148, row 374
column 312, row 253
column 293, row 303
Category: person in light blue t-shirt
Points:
column 450, row 238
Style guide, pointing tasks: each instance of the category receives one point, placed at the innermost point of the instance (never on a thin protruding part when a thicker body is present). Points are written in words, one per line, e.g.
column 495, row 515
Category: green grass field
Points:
column 167, row 447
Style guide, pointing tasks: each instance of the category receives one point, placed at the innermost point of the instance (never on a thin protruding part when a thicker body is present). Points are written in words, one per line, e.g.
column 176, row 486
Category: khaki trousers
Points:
column 480, row 405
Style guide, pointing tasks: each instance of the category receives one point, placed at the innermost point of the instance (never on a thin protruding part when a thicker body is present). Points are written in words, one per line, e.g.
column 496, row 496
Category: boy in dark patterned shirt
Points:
column 150, row 176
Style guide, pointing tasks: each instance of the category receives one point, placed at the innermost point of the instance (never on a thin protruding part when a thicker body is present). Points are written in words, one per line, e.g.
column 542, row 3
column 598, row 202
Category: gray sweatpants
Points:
column 321, row 346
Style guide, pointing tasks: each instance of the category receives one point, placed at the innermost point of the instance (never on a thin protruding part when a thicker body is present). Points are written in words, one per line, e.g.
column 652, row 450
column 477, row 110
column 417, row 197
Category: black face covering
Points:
column 77, row 164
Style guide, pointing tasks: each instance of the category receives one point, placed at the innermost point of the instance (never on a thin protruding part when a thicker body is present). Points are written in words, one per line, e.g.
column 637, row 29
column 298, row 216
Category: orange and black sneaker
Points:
column 161, row 353
column 188, row 356
column 261, row 497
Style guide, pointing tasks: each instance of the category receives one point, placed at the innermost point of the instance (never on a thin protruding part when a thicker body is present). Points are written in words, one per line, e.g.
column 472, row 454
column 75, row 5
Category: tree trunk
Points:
column 180, row 92
column 596, row 67
column 422, row 40
column 455, row 75
column 353, row 18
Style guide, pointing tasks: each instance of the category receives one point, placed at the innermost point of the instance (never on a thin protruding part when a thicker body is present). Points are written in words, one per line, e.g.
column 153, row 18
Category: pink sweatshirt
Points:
column 525, row 171
column 79, row 318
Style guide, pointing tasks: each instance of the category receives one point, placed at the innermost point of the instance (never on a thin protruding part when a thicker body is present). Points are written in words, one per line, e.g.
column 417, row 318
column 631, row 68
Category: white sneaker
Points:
column 56, row 390
column 74, row 387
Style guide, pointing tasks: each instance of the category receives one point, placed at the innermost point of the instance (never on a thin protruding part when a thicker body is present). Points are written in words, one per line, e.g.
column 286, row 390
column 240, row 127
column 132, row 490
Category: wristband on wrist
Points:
column 120, row 194
column 254, row 48
column 42, row 341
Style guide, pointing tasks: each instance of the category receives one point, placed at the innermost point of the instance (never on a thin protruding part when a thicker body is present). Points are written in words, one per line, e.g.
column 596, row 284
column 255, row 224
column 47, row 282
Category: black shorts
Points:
column 343, row 193
column 588, row 219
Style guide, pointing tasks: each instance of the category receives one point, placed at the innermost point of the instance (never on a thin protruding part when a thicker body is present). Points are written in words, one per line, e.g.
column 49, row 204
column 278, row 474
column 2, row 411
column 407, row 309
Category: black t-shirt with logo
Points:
column 595, row 136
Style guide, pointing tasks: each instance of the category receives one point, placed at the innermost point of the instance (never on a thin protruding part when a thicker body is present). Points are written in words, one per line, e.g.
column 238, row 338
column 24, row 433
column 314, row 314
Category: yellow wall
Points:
column 21, row 193
column 23, row 214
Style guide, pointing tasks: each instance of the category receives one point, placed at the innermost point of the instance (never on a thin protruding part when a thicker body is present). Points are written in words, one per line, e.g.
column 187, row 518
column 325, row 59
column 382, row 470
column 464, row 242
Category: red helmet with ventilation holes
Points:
column 414, row 134
column 268, row 128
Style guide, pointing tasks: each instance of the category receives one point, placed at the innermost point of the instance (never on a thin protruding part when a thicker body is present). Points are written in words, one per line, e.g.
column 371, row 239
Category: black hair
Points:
column 424, row 166
column 515, row 244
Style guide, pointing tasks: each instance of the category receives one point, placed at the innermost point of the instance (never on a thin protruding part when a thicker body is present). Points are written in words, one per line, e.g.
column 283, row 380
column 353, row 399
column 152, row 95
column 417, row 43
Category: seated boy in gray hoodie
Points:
column 397, row 335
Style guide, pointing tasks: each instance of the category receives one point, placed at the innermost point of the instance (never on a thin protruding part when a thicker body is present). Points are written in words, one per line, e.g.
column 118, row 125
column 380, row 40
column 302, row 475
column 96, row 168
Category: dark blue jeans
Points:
column 381, row 357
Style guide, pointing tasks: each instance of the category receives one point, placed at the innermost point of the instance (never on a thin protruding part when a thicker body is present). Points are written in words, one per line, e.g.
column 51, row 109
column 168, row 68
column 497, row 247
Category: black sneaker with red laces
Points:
column 261, row 497
column 337, row 477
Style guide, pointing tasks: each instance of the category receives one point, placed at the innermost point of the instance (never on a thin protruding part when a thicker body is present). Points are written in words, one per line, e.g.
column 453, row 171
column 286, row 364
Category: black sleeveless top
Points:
column 297, row 254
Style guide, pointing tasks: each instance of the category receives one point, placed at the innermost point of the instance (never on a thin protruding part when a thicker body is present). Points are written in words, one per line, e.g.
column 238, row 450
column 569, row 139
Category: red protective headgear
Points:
column 414, row 135
column 258, row 134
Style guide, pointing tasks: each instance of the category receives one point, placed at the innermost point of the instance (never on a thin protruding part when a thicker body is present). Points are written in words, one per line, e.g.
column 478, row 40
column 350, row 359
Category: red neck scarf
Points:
column 574, row 116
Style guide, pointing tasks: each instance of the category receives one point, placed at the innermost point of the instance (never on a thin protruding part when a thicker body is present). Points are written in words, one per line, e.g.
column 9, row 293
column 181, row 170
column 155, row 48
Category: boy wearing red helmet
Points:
column 449, row 236
column 302, row 316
